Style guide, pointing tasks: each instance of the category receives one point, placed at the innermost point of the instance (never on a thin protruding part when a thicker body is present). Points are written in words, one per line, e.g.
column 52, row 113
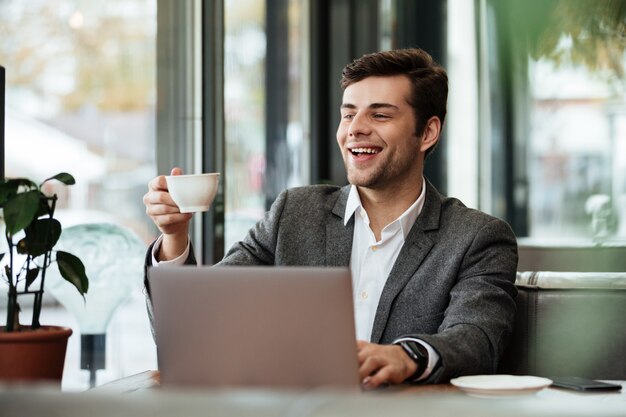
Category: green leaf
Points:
column 64, row 177
column 41, row 236
column 9, row 188
column 73, row 271
column 20, row 210
column 31, row 276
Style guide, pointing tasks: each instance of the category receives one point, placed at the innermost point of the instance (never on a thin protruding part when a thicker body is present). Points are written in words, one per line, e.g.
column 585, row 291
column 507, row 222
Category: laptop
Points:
column 254, row 327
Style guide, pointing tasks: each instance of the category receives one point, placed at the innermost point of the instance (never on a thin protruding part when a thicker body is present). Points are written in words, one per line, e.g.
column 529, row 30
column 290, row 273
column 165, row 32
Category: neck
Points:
column 383, row 206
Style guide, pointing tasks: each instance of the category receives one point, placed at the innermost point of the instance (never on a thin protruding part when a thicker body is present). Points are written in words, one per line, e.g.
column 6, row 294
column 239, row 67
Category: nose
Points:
column 359, row 126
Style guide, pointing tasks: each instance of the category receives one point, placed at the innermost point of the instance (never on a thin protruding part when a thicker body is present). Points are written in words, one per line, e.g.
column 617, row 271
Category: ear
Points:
column 431, row 133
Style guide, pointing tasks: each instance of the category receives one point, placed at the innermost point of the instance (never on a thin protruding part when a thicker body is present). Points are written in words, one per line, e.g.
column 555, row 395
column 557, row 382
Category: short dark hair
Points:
column 429, row 94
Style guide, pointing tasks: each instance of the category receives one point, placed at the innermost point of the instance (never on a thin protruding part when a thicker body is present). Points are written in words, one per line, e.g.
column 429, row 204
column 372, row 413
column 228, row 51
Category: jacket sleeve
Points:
column 191, row 260
column 479, row 319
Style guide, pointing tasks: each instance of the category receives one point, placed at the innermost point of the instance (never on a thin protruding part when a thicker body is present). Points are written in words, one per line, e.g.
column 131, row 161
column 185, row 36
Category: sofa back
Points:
column 569, row 323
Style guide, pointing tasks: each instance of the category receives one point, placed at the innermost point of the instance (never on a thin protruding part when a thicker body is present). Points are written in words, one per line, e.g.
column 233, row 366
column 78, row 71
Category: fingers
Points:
column 158, row 191
column 381, row 378
column 366, row 350
column 161, row 207
column 158, row 184
column 159, row 202
column 166, row 217
column 384, row 375
column 382, row 364
column 370, row 366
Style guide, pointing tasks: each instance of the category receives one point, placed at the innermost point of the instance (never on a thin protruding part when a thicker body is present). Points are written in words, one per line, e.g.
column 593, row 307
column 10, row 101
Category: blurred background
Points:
column 120, row 91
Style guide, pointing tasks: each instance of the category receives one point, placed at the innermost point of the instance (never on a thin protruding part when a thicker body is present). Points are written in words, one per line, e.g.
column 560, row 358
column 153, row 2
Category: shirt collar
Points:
column 353, row 203
column 406, row 219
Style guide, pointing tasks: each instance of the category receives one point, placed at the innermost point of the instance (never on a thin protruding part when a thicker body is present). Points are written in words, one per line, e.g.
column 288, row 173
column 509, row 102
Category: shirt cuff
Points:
column 433, row 356
column 180, row 260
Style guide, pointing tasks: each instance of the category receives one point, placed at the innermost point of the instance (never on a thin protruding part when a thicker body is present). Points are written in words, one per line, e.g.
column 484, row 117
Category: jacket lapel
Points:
column 338, row 236
column 417, row 245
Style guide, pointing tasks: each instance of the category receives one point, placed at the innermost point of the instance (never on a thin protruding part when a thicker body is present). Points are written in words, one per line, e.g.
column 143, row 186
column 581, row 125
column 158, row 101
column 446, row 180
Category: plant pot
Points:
column 33, row 355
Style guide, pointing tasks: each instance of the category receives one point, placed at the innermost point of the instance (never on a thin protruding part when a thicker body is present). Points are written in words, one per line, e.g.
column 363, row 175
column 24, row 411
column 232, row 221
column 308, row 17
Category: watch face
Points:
column 416, row 348
column 418, row 354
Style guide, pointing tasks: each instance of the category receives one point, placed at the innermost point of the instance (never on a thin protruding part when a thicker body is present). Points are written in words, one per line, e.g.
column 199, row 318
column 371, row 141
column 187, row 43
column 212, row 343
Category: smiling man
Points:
column 433, row 280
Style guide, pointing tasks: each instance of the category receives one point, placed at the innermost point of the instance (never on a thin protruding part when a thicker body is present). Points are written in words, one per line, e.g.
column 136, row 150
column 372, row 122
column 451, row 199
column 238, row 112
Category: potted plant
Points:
column 33, row 352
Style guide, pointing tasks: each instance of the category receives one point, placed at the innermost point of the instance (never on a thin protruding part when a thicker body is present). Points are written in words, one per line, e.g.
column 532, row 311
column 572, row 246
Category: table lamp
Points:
column 113, row 257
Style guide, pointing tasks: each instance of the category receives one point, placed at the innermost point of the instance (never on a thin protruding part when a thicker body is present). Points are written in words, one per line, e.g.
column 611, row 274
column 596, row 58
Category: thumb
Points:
column 176, row 171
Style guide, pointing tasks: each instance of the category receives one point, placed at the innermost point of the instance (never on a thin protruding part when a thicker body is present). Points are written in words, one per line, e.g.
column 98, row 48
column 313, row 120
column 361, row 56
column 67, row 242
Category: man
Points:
column 433, row 280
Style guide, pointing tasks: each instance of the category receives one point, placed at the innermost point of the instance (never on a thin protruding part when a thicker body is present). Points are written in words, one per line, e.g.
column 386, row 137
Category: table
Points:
column 138, row 395
column 151, row 379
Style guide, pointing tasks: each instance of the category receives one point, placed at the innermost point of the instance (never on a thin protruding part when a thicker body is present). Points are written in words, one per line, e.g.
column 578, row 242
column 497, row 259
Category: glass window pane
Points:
column 577, row 152
column 461, row 125
column 81, row 98
column 244, row 112
column 249, row 180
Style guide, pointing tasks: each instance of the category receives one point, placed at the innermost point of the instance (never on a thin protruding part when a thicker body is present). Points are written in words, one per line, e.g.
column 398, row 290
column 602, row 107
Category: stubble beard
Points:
column 382, row 176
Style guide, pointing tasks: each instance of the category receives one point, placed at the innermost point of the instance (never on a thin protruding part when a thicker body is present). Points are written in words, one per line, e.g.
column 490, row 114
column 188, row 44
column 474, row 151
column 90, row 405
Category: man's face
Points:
column 376, row 134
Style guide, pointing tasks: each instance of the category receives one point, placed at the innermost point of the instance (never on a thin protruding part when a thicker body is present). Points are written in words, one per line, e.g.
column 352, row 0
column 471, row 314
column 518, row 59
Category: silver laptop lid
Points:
column 273, row 327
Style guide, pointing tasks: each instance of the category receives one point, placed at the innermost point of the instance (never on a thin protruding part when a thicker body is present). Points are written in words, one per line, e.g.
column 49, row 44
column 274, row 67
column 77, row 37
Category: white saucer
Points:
column 500, row 385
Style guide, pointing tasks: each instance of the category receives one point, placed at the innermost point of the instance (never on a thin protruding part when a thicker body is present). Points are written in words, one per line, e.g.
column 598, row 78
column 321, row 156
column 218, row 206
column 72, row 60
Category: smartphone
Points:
column 583, row 384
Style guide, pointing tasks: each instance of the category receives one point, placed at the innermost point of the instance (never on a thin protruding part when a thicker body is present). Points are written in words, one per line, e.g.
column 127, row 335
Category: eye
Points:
column 380, row 116
column 348, row 116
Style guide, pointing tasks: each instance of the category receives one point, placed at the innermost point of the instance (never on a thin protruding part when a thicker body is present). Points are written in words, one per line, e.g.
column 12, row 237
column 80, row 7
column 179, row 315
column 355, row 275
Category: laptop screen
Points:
column 278, row 327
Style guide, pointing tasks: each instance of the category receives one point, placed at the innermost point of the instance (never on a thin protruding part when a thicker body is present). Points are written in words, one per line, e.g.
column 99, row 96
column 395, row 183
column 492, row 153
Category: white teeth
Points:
column 364, row 150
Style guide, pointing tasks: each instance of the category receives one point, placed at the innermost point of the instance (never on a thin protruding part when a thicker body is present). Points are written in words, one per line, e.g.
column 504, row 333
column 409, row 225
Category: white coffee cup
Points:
column 193, row 192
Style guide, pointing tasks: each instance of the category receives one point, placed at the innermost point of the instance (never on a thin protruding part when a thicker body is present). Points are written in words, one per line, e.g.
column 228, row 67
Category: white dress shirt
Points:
column 371, row 262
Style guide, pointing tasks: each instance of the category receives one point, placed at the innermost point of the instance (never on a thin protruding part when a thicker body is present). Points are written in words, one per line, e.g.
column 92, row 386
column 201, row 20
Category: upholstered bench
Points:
column 569, row 323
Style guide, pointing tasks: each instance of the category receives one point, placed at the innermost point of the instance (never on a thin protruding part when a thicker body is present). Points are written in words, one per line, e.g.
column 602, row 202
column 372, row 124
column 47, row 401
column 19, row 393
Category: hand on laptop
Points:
column 383, row 364
column 167, row 217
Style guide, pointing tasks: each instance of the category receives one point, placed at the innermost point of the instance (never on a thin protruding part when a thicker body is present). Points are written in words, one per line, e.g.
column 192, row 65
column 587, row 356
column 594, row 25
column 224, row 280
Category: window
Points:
column 266, row 107
column 244, row 113
column 462, row 119
column 81, row 98
column 553, row 86
column 577, row 143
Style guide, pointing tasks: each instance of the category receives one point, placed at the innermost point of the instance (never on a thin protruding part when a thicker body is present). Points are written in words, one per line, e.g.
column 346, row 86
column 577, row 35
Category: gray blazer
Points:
column 452, row 284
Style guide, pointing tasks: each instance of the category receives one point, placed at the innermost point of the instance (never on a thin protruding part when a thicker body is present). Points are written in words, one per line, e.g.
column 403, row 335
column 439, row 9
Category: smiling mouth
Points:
column 366, row 151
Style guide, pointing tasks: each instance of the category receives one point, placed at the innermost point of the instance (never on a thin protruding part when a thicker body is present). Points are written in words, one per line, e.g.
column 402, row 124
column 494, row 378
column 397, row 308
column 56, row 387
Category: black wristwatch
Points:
column 418, row 353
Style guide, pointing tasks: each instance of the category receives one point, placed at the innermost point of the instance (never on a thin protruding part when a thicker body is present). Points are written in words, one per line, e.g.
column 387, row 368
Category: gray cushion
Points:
column 569, row 324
